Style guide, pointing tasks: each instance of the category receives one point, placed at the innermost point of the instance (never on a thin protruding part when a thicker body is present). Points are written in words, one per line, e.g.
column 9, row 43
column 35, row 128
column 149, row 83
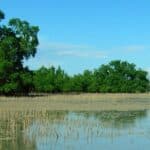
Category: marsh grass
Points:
column 77, row 126
column 52, row 119
column 53, row 127
column 80, row 102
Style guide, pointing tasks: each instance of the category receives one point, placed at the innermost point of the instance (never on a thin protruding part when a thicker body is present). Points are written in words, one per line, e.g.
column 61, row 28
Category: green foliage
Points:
column 115, row 77
column 51, row 80
column 2, row 16
column 43, row 79
column 18, row 41
column 121, row 76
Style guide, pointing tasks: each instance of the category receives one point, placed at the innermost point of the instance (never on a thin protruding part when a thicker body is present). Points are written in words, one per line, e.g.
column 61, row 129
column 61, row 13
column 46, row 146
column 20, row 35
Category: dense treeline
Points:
column 18, row 41
column 117, row 76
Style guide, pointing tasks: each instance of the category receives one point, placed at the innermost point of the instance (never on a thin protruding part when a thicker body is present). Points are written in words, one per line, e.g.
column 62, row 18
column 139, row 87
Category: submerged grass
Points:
column 78, row 102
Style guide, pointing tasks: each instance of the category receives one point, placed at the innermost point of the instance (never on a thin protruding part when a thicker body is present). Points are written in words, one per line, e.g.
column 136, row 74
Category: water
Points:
column 47, row 130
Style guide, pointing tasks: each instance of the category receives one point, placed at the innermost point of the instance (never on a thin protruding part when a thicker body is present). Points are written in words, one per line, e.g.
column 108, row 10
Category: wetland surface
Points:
column 49, row 129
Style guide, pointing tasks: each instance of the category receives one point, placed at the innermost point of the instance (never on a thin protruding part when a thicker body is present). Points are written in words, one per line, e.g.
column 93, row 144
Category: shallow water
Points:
column 54, row 130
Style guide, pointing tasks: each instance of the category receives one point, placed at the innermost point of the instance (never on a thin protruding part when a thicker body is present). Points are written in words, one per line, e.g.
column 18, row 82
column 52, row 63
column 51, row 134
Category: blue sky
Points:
column 83, row 34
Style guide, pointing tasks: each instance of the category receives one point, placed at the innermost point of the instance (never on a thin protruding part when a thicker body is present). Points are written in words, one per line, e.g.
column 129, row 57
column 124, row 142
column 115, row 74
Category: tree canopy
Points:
column 115, row 77
column 121, row 76
column 1, row 15
column 19, row 41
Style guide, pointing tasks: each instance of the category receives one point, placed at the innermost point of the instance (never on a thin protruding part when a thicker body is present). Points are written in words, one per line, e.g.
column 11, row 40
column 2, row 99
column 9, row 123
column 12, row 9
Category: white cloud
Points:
column 75, row 50
column 46, row 44
column 85, row 54
column 56, row 49
column 58, row 45
column 134, row 48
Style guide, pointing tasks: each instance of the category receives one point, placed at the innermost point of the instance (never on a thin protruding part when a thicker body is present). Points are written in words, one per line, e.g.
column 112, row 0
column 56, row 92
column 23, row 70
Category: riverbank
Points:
column 77, row 102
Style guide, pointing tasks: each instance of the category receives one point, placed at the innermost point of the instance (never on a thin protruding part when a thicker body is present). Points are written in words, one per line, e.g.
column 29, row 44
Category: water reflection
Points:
column 59, row 130
column 117, row 119
column 14, row 124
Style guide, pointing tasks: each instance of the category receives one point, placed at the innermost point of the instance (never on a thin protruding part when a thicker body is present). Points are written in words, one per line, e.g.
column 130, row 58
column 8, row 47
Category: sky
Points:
column 83, row 34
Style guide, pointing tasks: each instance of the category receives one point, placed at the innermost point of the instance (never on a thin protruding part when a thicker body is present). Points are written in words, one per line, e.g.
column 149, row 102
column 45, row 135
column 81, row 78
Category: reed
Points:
column 78, row 102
